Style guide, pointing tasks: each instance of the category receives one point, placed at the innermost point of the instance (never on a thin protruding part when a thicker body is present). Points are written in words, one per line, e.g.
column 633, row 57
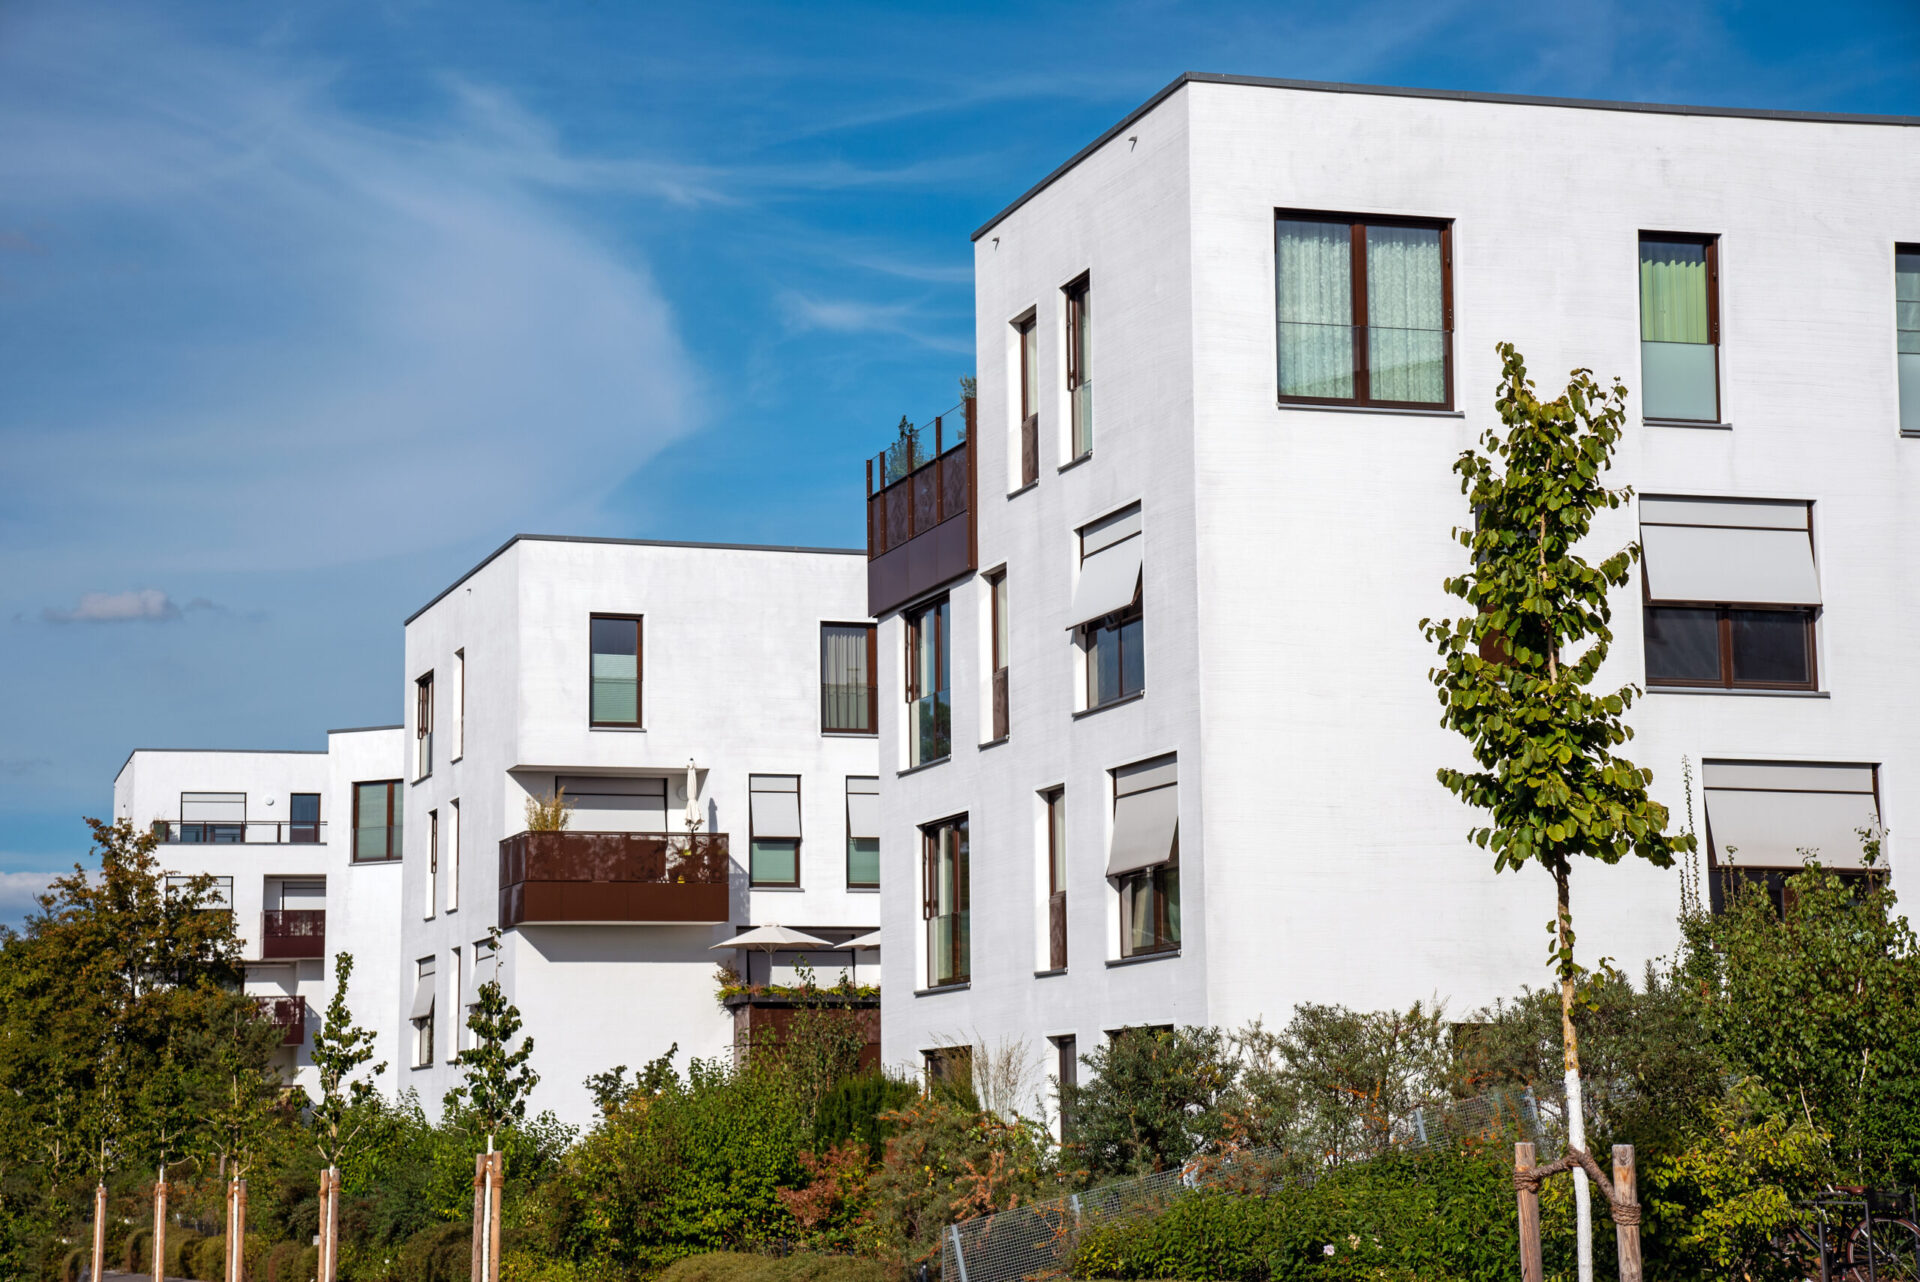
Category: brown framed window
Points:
column 1108, row 607
column 848, row 699
column 377, row 812
column 303, row 815
column 863, row 832
column 1080, row 363
column 945, row 901
column 615, row 696
column 950, row 1070
column 1027, row 333
column 929, row 669
column 1066, row 1079
column 423, row 726
column 997, row 642
column 1765, row 819
column 459, row 704
column 1056, row 804
column 1679, row 327
column 1906, row 326
column 1731, row 593
column 422, row 1012
column 1143, row 857
column 1365, row 310
column 433, row 862
column 773, row 817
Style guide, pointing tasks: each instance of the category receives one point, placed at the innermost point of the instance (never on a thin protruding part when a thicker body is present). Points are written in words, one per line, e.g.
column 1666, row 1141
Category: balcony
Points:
column 553, row 878
column 290, row 1013
column 293, row 934
column 251, row 832
column 920, row 500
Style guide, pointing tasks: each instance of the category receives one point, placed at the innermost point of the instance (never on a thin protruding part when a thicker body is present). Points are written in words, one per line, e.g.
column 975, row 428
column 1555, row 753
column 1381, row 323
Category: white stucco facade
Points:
column 1290, row 551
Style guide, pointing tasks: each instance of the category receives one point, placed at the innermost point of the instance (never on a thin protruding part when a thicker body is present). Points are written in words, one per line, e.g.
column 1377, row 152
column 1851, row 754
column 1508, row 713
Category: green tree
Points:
column 1514, row 679
column 340, row 1049
column 1153, row 1101
column 493, row 1093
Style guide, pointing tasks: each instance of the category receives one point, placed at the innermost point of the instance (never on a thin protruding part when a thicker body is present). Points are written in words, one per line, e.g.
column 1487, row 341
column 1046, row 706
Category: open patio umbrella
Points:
column 770, row 940
column 857, row 945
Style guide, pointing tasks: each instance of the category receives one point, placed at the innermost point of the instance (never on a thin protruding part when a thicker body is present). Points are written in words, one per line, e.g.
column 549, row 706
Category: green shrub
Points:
column 180, row 1242
column 283, row 1263
column 138, row 1258
column 71, row 1266
column 443, row 1253
column 306, row 1265
column 852, row 1111
column 204, row 1260
column 730, row 1266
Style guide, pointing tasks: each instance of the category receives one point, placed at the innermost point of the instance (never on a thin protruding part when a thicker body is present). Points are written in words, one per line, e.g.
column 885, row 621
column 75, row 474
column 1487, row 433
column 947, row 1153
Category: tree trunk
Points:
column 1570, row 1040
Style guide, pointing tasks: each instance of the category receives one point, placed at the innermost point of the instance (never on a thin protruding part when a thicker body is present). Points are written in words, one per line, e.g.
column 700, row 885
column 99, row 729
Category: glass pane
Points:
column 1136, row 898
column 370, row 837
column 863, row 861
column 1029, row 369
column 775, row 863
column 843, row 678
column 304, row 808
column 1133, row 676
column 1103, row 665
column 1169, row 885
column 1683, row 645
column 616, row 700
column 1057, row 823
column 1405, row 313
column 932, row 727
column 1313, row 284
column 1673, row 292
column 1910, row 387
column 1770, row 646
column 616, row 636
column 1679, row 381
column 1000, row 621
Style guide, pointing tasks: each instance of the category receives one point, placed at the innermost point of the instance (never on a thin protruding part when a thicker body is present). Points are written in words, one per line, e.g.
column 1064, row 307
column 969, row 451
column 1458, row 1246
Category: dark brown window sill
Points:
column 1111, row 703
column 1138, row 958
column 960, row 987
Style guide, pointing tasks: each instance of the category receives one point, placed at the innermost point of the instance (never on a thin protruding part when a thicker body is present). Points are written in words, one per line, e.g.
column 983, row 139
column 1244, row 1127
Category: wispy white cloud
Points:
column 804, row 312
column 19, row 893
column 143, row 605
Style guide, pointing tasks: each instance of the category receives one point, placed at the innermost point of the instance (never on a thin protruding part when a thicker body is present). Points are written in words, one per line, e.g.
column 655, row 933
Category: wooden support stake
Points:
column 1626, row 1236
column 160, row 1227
column 99, row 1232
column 1533, row 1266
column 237, row 1230
column 329, row 1224
column 479, row 1212
column 498, row 1163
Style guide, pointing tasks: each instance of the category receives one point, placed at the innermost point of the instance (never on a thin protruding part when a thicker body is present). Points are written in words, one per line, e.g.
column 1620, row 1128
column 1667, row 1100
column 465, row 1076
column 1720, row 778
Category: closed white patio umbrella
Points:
column 693, row 816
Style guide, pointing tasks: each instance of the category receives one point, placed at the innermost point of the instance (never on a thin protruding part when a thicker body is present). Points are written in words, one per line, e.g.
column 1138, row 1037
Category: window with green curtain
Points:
column 616, row 672
column 1679, row 364
column 376, row 820
column 1906, row 294
column 1314, row 283
column 863, row 861
column 776, row 862
column 1406, row 339
column 846, row 678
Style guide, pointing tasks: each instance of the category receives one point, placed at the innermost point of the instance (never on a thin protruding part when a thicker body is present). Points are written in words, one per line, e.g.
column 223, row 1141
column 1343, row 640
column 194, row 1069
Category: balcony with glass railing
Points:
column 250, row 832
column 920, row 490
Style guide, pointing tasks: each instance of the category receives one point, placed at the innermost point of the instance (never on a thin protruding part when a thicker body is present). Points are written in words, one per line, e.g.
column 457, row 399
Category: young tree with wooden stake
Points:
column 1514, row 681
column 493, row 1097
column 340, row 1048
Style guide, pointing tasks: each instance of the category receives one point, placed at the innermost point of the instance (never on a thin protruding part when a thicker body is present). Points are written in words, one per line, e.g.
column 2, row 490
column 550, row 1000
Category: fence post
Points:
column 959, row 1255
column 1532, row 1267
column 1626, row 1236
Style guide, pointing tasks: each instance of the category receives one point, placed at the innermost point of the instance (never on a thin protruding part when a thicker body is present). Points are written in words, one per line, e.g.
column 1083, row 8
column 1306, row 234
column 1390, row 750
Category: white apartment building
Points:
column 1157, row 708
column 601, row 670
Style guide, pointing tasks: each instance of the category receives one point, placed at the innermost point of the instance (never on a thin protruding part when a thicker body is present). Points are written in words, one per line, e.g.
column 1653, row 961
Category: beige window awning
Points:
column 1146, row 816
column 1772, row 814
column 863, row 809
column 423, row 997
column 774, row 803
column 1110, row 561
column 1728, row 552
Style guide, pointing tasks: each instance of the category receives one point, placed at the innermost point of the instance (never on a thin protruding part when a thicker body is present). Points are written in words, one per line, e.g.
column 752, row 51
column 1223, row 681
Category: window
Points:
column 950, row 1070
column 616, row 671
column 1143, row 858
column 1679, row 327
column 455, row 1033
column 433, row 861
column 1028, row 332
column 1056, row 803
column 1906, row 325
column 1731, row 593
column 944, row 901
column 422, row 1014
column 1107, row 607
column 453, row 855
column 847, row 697
column 423, row 727
column 997, row 607
column 1365, row 310
column 303, row 818
column 219, row 893
column 459, row 704
column 1765, row 818
column 377, row 811
column 930, row 736
column 863, row 833
column 213, row 817
column 1066, row 1076
column 1080, row 365
column 615, row 803
column 773, row 806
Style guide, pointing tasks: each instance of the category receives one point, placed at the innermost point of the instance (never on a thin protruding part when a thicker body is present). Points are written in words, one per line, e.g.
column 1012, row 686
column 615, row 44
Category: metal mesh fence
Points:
column 1035, row 1242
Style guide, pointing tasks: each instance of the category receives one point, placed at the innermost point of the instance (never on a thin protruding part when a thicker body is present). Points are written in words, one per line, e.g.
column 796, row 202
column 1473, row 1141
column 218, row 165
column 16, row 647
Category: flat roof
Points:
column 641, row 543
column 1452, row 95
column 278, row 752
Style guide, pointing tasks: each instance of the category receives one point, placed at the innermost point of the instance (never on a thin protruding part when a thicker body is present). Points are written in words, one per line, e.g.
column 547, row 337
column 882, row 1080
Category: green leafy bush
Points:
column 729, row 1266
column 1153, row 1099
column 852, row 1111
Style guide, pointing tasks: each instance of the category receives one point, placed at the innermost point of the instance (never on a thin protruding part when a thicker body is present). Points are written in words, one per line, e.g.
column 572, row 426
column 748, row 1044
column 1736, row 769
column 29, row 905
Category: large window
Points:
column 1766, row 818
column 216, row 817
column 1107, row 607
column 997, row 606
column 616, row 671
column 303, row 814
column 847, row 667
column 1731, row 593
column 1679, row 327
column 929, row 676
column 944, row 901
column 863, row 833
column 423, row 727
column 773, row 804
column 1143, row 857
column 1080, row 364
column 1028, row 333
column 1365, row 310
column 422, row 1013
column 1056, row 803
column 377, row 811
column 1906, row 304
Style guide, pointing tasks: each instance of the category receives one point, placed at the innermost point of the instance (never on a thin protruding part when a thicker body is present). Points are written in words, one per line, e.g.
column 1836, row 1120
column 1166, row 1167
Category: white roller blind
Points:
column 616, row 803
column 1109, row 581
column 1109, row 530
column 1146, row 816
column 863, row 809
column 1727, row 552
column 213, row 807
column 775, row 804
column 303, row 894
column 1764, row 815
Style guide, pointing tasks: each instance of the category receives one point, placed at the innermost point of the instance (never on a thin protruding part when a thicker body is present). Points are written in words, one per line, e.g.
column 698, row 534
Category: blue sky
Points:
column 303, row 309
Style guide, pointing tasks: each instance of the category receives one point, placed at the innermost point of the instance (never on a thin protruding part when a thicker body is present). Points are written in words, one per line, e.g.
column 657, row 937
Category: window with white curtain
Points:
column 1679, row 327
column 615, row 696
column 1906, row 295
column 1364, row 310
column 847, row 695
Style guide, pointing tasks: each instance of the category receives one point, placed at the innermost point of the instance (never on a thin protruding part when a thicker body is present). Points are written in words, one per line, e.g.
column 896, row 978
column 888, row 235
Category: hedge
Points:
column 733, row 1266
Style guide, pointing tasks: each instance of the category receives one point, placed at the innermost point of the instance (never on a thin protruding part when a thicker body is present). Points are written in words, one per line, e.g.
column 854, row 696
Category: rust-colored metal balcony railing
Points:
column 290, row 1013
column 920, row 501
column 292, row 934
column 551, row 878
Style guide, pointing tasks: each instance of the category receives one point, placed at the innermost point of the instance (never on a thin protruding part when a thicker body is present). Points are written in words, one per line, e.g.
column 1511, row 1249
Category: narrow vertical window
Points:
column 847, row 696
column 1080, row 364
column 1364, row 309
column 773, row 815
column 615, row 698
column 456, row 1029
column 1906, row 295
column 1679, row 327
column 433, row 861
column 1028, row 331
column 423, row 727
column 945, row 902
column 459, row 704
column 303, row 815
column 377, row 820
column 453, row 854
column 1143, row 856
column 1066, row 1076
column 863, row 833
column 929, row 673
column 997, row 603
column 422, row 1013
column 1056, row 802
